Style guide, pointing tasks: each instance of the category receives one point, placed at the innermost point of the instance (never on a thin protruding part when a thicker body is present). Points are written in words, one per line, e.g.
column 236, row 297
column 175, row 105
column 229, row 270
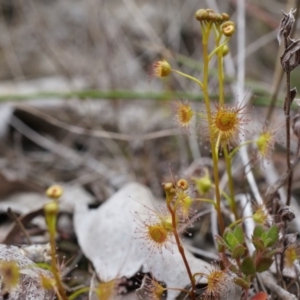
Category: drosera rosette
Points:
column 291, row 255
column 155, row 229
column 151, row 289
column 227, row 123
column 265, row 142
column 219, row 282
column 183, row 113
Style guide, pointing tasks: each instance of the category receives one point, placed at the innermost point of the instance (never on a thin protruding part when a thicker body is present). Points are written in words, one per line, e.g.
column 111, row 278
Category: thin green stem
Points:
column 189, row 77
column 205, row 200
column 201, row 115
column 212, row 143
column 218, row 49
column 220, row 69
column 226, row 196
column 78, row 292
column 230, row 181
column 236, row 149
column 55, row 272
column 237, row 222
column 218, row 143
column 54, row 269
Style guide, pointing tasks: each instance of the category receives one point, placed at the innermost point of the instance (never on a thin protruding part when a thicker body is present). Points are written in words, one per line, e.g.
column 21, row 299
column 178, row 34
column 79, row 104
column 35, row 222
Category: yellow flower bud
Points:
column 212, row 16
column 219, row 18
column 161, row 68
column 168, row 187
column 182, row 184
column 225, row 16
column 201, row 15
column 54, row 191
column 169, row 190
column 203, row 184
column 225, row 50
column 228, row 28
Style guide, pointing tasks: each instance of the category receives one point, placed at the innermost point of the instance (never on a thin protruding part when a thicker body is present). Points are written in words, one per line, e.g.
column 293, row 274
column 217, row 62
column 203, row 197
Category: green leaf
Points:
column 242, row 283
column 248, row 266
column 258, row 243
column 272, row 236
column 230, row 240
column 267, row 241
column 220, row 243
column 264, row 264
column 258, row 230
column 238, row 251
column 239, row 234
column 227, row 231
column 233, row 269
column 264, row 236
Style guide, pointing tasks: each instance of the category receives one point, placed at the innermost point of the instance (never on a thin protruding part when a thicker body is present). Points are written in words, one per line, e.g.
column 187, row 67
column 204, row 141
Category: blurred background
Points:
column 78, row 106
column 104, row 45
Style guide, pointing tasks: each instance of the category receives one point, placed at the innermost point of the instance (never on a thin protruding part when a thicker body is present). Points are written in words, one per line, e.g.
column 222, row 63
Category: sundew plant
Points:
column 247, row 245
column 243, row 255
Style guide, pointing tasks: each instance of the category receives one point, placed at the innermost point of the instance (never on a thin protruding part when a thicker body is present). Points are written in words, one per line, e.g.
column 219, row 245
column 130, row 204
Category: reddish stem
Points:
column 181, row 251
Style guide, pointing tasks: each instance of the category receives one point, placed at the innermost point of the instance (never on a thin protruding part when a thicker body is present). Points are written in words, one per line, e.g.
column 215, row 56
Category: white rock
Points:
column 107, row 236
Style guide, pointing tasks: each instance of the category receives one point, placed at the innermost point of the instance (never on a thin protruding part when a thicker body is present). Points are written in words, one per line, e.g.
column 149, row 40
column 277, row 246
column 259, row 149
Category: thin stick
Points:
column 287, row 108
column 19, row 223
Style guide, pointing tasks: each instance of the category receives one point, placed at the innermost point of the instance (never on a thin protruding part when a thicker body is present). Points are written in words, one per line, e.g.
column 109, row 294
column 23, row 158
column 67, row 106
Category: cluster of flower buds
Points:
column 208, row 15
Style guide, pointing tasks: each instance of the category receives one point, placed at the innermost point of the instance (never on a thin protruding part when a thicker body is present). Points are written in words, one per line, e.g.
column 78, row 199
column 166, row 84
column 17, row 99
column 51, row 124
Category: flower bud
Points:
column 161, row 68
column 201, row 15
column 54, row 192
column 219, row 18
column 168, row 186
column 225, row 16
column 182, row 184
column 212, row 16
column 203, row 184
column 228, row 28
column 169, row 190
column 225, row 50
